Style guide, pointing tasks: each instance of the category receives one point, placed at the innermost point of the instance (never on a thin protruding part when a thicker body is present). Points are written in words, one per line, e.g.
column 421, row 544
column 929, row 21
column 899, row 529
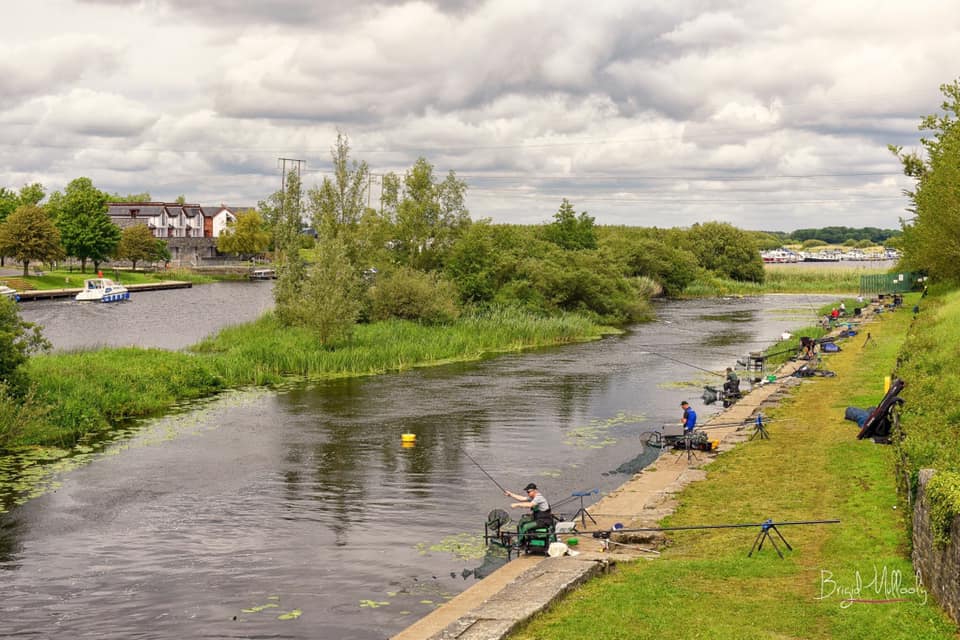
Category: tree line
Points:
column 420, row 256
column 72, row 223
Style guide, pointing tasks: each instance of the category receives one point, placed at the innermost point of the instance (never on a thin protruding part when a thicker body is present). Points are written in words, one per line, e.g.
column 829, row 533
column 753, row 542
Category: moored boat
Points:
column 7, row 292
column 102, row 290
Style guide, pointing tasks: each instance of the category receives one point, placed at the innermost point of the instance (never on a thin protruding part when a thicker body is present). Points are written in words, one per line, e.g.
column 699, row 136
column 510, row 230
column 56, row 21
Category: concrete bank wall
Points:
column 939, row 567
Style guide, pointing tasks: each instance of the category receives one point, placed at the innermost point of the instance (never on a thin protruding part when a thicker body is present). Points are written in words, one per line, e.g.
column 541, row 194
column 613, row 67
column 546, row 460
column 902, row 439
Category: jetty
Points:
column 52, row 294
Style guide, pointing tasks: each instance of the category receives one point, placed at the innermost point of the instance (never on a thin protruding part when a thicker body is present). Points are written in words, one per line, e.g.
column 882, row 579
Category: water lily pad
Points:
column 290, row 615
column 373, row 604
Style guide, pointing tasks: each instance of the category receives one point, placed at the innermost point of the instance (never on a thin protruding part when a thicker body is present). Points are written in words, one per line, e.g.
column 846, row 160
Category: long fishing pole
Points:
column 463, row 451
column 711, row 526
column 654, row 353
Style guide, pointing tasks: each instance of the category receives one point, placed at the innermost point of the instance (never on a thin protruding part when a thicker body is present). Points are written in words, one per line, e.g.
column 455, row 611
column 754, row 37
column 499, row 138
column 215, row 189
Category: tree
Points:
column 570, row 231
column 726, row 250
column 130, row 197
column 246, row 235
column 429, row 215
column 10, row 200
column 18, row 339
column 137, row 243
column 28, row 234
column 291, row 269
column 328, row 303
column 32, row 193
column 338, row 204
column 931, row 239
column 86, row 229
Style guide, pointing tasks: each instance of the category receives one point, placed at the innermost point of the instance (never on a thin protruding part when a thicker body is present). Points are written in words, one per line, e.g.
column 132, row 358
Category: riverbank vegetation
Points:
column 117, row 385
column 930, row 419
column 929, row 363
column 811, row 468
column 781, row 279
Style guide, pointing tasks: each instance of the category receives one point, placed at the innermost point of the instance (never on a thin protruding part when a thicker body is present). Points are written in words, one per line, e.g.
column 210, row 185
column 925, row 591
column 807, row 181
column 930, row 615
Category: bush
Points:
column 409, row 294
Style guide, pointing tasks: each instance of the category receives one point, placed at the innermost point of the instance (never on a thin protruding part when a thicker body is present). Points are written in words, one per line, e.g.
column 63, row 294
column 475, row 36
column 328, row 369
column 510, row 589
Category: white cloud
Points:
column 652, row 113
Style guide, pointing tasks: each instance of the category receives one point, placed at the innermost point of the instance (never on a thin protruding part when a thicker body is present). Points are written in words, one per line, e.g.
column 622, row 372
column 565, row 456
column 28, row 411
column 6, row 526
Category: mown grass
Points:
column 784, row 279
column 91, row 391
column 64, row 279
column 812, row 468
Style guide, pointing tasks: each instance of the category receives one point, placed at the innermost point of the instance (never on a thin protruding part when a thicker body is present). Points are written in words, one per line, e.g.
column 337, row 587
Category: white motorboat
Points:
column 7, row 292
column 102, row 290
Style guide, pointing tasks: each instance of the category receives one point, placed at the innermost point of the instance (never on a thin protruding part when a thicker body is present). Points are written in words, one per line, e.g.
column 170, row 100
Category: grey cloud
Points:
column 51, row 65
column 300, row 14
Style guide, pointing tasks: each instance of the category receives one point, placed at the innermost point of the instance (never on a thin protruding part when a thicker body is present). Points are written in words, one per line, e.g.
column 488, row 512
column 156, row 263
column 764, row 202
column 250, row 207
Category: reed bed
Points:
column 93, row 390
column 783, row 279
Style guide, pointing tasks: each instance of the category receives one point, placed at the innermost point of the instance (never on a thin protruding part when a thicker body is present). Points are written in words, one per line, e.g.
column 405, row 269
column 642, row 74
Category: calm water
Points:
column 170, row 319
column 304, row 498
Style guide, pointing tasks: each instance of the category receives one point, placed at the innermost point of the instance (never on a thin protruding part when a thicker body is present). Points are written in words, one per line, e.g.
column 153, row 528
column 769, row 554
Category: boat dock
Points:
column 51, row 294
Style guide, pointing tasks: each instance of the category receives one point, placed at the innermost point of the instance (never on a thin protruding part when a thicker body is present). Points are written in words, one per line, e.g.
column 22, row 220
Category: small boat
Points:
column 102, row 290
column 263, row 274
column 7, row 292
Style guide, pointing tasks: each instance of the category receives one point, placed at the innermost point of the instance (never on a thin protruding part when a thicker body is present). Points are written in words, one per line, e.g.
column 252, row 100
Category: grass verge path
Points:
column 812, row 468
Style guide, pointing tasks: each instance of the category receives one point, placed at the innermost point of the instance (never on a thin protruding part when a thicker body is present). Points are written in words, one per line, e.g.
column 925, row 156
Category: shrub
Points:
column 409, row 294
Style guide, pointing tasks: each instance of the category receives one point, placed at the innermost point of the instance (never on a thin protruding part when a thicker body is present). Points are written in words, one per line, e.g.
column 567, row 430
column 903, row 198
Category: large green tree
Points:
column 931, row 240
column 428, row 214
column 10, row 200
column 247, row 235
column 726, row 250
column 86, row 229
column 28, row 234
column 137, row 244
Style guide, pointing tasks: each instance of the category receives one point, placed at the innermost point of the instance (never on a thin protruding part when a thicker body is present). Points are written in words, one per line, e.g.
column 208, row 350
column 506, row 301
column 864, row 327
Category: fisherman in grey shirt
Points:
column 535, row 501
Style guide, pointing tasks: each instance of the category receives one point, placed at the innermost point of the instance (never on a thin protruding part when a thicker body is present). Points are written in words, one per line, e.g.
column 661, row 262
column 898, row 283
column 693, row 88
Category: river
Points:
column 298, row 514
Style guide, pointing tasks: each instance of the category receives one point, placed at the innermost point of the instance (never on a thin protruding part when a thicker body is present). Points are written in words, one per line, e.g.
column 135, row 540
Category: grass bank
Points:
column 930, row 420
column 812, row 468
column 87, row 392
column 65, row 279
column 784, row 279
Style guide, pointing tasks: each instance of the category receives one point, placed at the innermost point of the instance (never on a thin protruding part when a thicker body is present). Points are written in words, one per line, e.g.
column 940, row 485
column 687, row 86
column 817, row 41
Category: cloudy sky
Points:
column 767, row 114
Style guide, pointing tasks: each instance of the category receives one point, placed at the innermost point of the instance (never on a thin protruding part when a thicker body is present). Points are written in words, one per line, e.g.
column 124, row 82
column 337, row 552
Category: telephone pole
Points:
column 283, row 177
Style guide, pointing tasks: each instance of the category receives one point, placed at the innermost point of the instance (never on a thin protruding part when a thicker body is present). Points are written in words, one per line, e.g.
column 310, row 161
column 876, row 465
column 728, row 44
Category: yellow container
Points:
column 886, row 384
column 714, row 445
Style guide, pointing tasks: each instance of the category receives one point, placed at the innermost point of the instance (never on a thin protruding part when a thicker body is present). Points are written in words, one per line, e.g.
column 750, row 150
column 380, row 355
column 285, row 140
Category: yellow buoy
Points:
column 408, row 437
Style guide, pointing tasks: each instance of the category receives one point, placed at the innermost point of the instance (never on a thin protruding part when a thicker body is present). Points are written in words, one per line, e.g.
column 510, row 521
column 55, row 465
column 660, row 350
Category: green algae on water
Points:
column 595, row 434
column 465, row 546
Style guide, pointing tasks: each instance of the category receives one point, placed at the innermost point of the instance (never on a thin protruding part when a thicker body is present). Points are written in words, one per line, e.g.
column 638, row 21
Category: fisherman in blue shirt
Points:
column 689, row 417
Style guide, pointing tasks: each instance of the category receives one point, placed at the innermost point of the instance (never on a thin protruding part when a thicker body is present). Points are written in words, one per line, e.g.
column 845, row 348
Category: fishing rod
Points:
column 695, row 527
column 470, row 458
column 654, row 353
